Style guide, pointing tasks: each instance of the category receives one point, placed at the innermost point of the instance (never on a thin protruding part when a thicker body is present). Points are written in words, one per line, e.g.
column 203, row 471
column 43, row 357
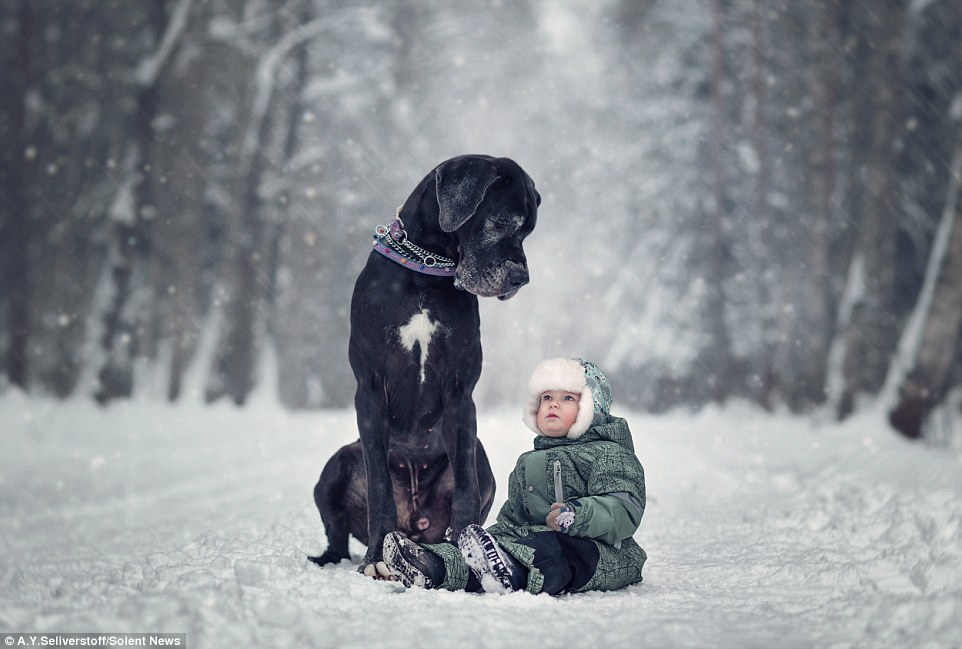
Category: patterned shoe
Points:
column 497, row 572
column 412, row 564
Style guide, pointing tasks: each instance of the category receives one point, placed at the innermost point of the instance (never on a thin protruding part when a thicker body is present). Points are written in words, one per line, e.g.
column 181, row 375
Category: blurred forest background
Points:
column 752, row 199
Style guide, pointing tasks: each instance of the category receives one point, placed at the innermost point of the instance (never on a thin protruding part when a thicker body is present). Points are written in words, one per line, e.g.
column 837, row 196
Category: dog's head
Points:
column 490, row 205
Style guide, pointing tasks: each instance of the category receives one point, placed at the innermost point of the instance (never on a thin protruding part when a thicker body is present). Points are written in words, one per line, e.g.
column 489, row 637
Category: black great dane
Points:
column 415, row 349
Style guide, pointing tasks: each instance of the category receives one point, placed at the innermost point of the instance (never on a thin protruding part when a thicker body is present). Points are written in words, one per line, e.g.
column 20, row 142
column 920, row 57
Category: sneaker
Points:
column 412, row 564
column 497, row 572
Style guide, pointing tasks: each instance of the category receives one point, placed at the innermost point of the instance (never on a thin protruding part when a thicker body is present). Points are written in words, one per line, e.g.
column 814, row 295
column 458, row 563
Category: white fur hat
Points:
column 571, row 375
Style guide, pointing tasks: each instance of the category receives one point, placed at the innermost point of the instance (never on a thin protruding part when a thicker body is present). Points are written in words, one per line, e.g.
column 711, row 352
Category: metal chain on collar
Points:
column 392, row 242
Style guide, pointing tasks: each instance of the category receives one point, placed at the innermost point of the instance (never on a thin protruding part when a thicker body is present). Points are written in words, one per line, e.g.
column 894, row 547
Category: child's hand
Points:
column 560, row 517
column 552, row 519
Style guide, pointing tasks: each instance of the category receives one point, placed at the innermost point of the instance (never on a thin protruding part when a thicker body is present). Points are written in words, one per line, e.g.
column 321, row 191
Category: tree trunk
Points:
column 124, row 330
column 15, row 221
column 716, row 255
column 762, row 213
column 873, row 331
column 235, row 362
column 817, row 319
column 925, row 385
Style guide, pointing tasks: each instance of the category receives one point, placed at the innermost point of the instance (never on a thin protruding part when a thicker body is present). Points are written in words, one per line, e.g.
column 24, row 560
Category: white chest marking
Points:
column 418, row 331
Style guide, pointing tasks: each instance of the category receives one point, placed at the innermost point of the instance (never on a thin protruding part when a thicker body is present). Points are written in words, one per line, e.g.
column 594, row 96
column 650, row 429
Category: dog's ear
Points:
column 461, row 185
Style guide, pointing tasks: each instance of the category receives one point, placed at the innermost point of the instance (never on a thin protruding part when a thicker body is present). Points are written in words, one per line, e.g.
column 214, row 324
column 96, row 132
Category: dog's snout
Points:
column 518, row 276
column 515, row 277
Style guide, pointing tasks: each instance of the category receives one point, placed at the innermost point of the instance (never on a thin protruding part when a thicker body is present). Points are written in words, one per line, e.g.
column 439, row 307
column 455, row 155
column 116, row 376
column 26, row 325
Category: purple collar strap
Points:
column 392, row 242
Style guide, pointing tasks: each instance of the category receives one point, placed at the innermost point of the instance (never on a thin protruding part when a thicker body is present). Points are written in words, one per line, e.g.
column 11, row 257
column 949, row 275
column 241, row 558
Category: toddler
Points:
column 573, row 504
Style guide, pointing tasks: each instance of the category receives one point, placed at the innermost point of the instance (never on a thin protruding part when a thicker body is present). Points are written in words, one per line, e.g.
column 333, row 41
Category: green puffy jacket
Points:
column 599, row 475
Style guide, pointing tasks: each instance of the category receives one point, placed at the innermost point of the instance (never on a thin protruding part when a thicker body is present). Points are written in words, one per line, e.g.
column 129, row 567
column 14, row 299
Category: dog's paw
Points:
column 325, row 559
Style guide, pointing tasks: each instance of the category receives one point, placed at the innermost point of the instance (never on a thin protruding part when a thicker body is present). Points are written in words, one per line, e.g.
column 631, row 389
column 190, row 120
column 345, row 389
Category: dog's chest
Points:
column 415, row 337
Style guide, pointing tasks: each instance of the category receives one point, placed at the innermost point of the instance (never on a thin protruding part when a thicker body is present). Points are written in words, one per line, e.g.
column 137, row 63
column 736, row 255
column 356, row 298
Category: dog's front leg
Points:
column 381, row 509
column 461, row 441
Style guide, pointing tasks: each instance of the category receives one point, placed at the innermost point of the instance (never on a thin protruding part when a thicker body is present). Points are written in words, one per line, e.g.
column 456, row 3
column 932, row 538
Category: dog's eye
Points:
column 502, row 225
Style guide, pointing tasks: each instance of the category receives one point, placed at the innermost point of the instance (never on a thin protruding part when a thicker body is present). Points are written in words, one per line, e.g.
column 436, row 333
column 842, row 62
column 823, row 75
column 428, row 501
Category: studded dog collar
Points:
column 392, row 242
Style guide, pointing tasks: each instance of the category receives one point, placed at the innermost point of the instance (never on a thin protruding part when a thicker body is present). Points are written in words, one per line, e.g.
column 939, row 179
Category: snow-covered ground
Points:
column 762, row 531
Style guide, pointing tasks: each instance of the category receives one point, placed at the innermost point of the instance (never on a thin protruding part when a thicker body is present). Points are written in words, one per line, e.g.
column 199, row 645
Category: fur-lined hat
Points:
column 571, row 375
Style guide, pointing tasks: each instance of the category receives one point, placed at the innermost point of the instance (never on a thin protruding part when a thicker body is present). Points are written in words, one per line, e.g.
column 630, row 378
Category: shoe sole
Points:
column 486, row 560
column 406, row 572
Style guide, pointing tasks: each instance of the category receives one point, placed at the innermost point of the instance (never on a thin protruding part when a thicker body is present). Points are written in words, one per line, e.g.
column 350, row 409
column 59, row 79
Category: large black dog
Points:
column 415, row 349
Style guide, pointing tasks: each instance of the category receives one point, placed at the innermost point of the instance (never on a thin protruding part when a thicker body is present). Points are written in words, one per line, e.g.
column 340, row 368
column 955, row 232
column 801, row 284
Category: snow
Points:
column 762, row 530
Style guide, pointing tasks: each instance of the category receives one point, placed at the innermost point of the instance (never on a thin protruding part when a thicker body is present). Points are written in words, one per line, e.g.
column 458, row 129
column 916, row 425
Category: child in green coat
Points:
column 573, row 503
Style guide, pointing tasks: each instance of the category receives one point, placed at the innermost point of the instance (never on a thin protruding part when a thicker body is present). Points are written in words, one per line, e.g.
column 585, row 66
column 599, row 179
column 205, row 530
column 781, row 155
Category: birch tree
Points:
column 931, row 341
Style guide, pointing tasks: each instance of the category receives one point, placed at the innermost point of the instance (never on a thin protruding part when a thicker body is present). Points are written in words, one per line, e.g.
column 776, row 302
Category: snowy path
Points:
column 762, row 531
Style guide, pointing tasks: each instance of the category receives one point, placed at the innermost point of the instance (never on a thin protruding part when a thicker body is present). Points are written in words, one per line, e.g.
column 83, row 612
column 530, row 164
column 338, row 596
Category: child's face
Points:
column 557, row 412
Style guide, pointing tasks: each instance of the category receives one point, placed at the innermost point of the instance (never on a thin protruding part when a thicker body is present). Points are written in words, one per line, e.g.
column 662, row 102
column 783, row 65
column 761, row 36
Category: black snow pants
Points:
column 567, row 562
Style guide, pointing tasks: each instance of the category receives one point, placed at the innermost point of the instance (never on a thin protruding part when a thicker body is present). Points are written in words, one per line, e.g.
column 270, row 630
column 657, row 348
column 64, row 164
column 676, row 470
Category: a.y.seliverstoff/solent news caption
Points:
column 178, row 640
